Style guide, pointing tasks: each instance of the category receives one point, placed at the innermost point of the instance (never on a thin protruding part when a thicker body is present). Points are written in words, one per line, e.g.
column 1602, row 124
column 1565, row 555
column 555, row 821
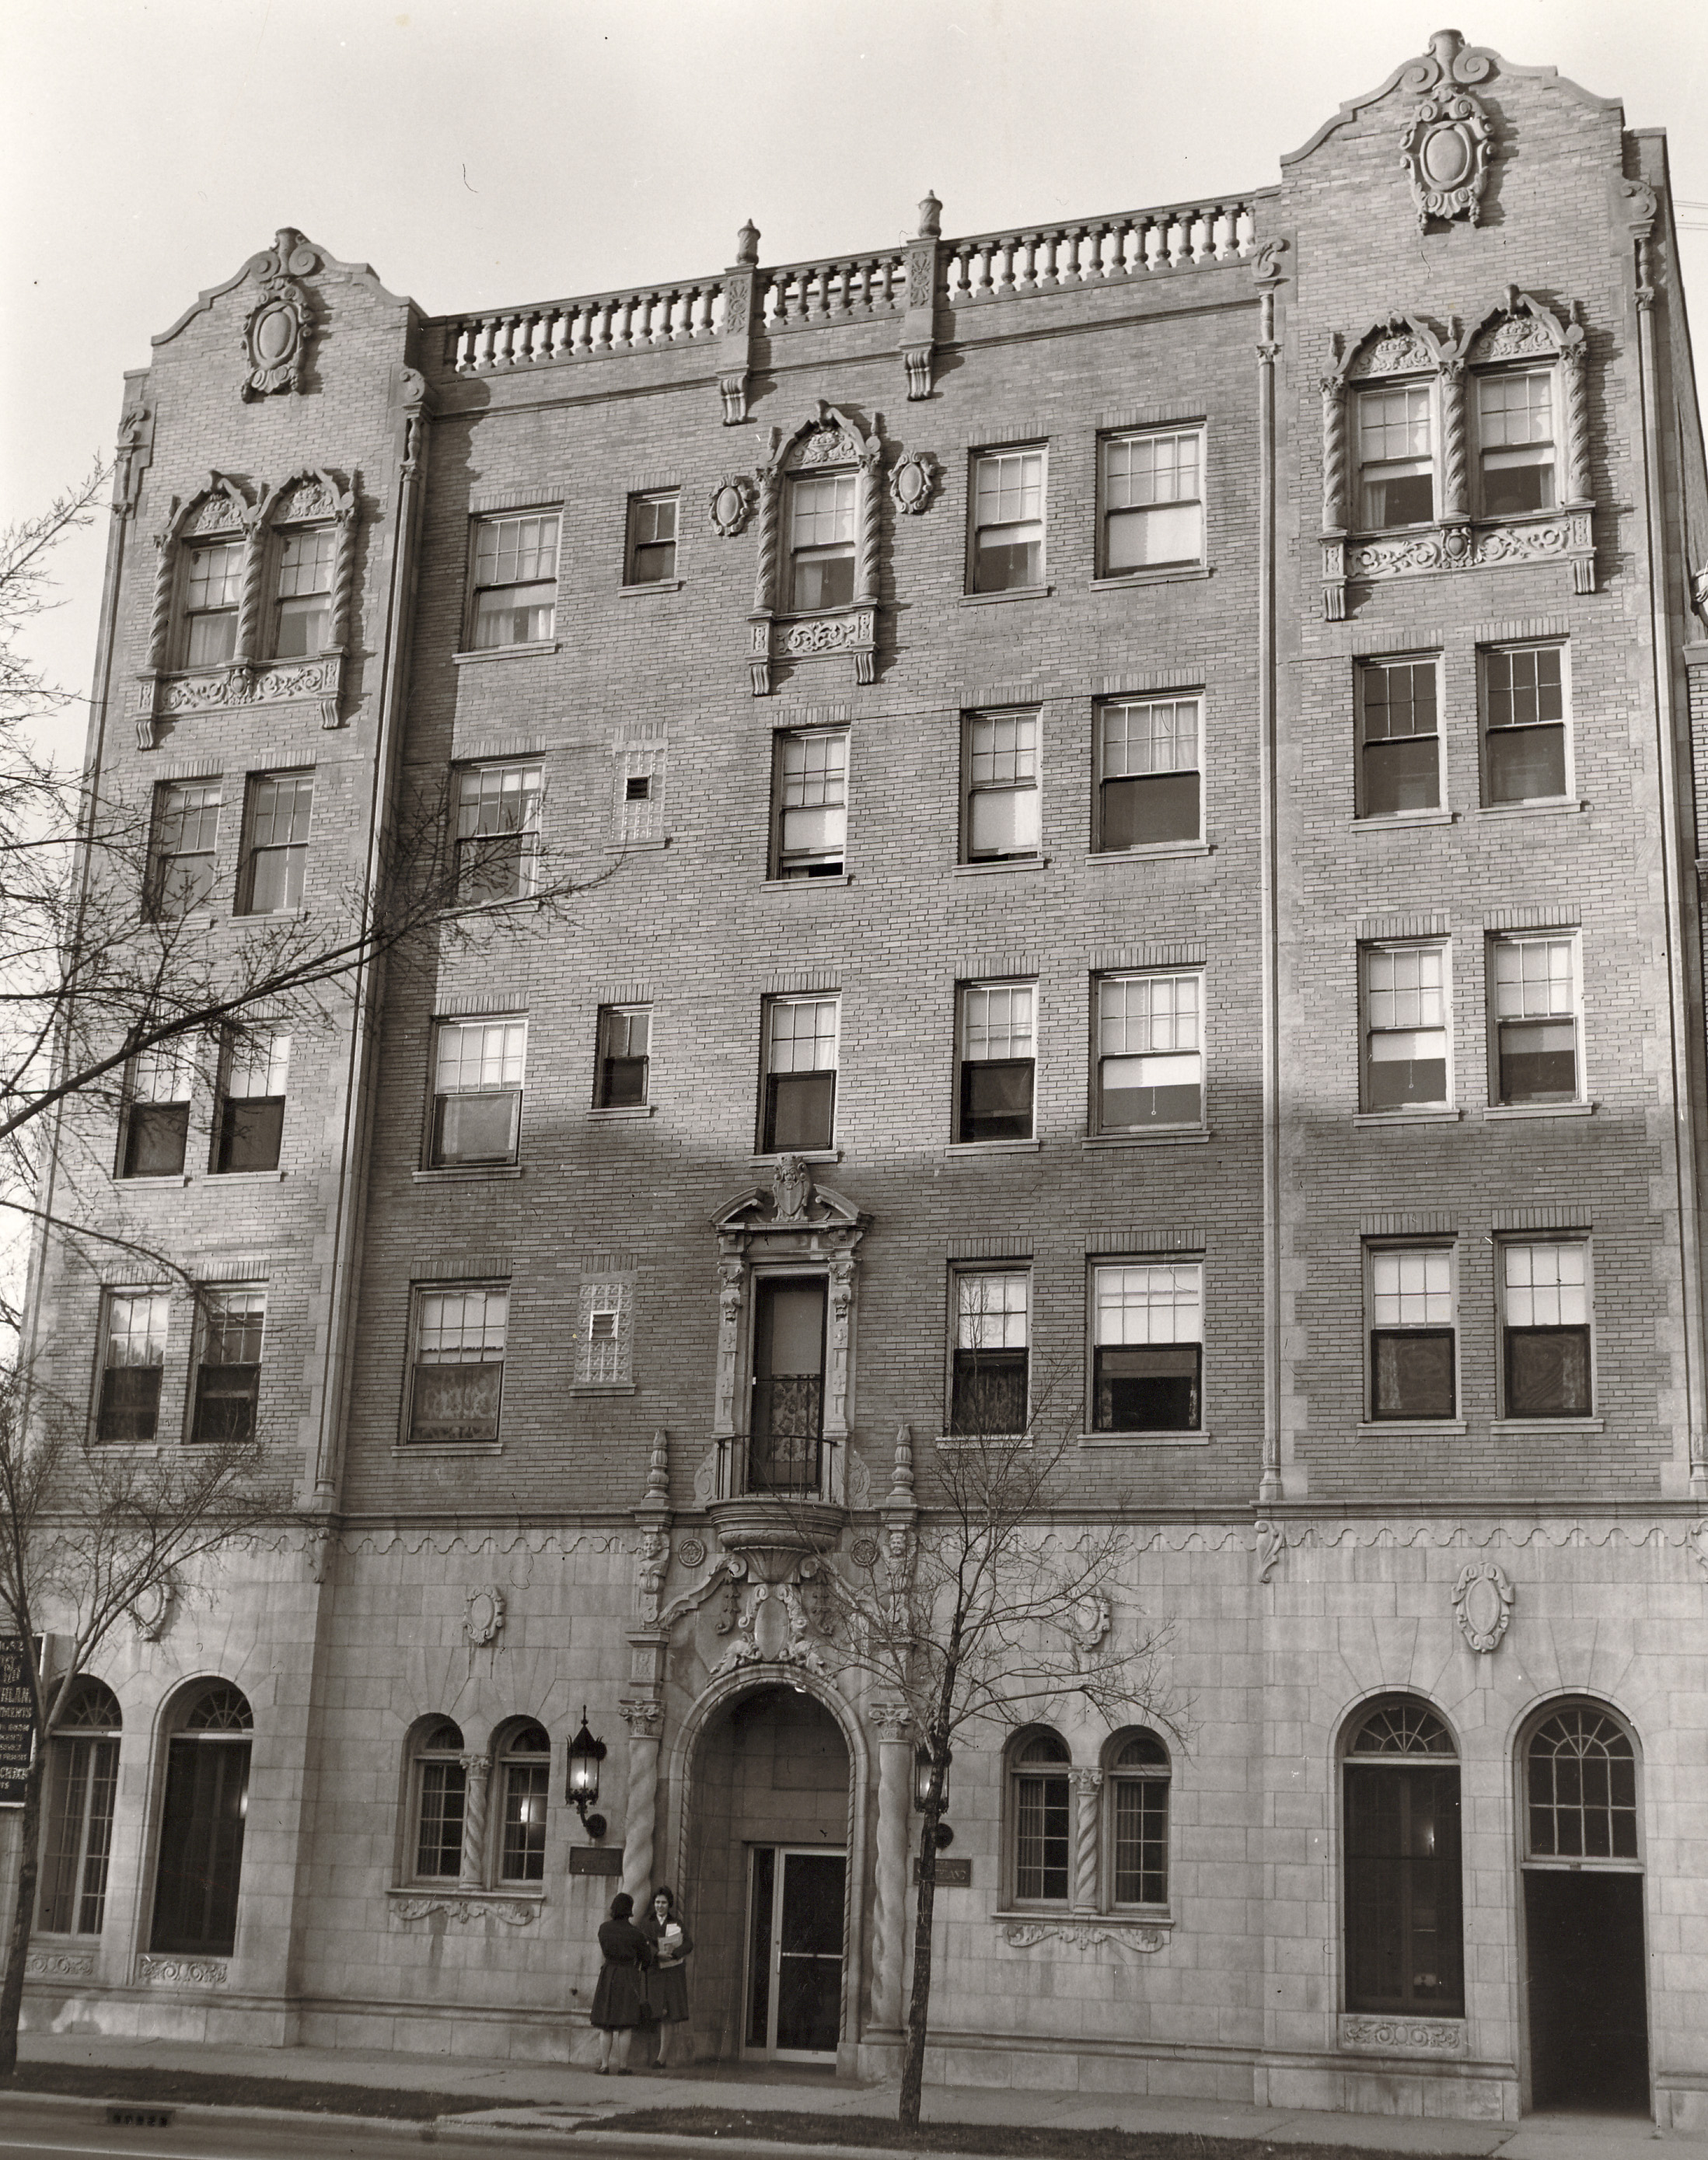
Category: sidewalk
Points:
column 531, row 2098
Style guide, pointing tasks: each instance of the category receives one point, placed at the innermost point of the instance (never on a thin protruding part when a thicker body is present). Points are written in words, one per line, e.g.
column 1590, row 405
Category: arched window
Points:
column 82, row 1775
column 1041, row 1811
column 201, row 1824
column 440, row 1784
column 1581, row 1788
column 1137, row 1782
column 1405, row 1918
column 524, row 1769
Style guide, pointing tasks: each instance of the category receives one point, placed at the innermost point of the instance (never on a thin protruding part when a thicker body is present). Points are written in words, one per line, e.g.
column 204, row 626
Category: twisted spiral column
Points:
column 477, row 1769
column 1455, row 475
column 871, row 524
column 1086, row 1785
column 890, row 1887
column 249, row 600
column 160, row 621
column 765, row 577
column 344, row 574
column 645, row 1724
column 1334, row 453
column 1572, row 361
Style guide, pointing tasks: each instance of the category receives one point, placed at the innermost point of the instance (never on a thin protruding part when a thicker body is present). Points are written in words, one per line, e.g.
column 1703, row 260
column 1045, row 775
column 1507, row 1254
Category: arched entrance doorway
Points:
column 1585, row 1963
column 766, row 1877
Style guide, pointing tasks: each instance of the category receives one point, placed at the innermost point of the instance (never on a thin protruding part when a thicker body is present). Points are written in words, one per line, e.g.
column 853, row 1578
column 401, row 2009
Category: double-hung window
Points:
column 133, row 1364
column 1410, row 1294
column 1515, row 442
column 989, row 1389
column 652, row 539
column 181, row 850
column 457, row 1382
column 213, row 590
column 1396, row 457
column 997, row 1061
column 1400, row 737
column 516, row 580
column 157, row 1111
column 821, row 540
column 498, row 831
column 1405, row 1027
column 1008, row 521
column 276, row 842
column 1524, row 724
column 1536, row 1020
column 1545, row 1328
column 228, row 1367
column 1153, row 501
column 625, row 1057
column 1148, row 1346
column 250, row 1127
column 477, row 1091
column 810, row 792
column 800, row 1074
column 303, row 602
column 1150, row 781
column 999, row 764
column 1150, row 1052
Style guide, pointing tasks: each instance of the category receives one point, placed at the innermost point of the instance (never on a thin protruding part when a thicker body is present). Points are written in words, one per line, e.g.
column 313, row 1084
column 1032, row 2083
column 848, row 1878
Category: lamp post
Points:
column 585, row 1755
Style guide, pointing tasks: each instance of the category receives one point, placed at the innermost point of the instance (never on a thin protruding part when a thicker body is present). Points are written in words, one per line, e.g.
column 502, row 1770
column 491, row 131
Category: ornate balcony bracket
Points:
column 1567, row 536
column 319, row 681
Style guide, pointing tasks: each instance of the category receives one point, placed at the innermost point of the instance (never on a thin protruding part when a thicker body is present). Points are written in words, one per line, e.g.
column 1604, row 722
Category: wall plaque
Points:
column 951, row 1874
column 595, row 1859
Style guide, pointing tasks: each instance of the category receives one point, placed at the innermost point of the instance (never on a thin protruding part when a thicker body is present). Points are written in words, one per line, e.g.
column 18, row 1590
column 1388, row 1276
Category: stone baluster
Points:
column 890, row 1889
column 477, row 1769
column 1575, row 373
column 1456, row 501
column 1334, row 453
column 645, row 1722
column 1087, row 1785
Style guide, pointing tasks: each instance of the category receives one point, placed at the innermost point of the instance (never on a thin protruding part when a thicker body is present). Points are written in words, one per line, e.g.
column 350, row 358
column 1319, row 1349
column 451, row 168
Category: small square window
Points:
column 251, row 1121
column 1153, row 501
column 213, row 591
column 133, row 1363
column 457, row 1379
column 990, row 1395
column 1412, row 1331
column 498, row 831
column 157, row 1111
column 516, row 580
column 1406, row 1028
column 276, row 842
column 1515, row 442
column 999, row 776
column 477, row 1091
column 1537, row 1021
column 821, row 541
column 1524, row 712
column 1396, row 457
column 810, row 798
column 1149, row 778
column 1148, row 1346
column 1149, row 1052
column 228, row 1367
column 625, row 1057
column 182, row 847
column 997, row 1061
column 1545, row 1366
column 1008, row 521
column 800, row 1074
column 303, row 602
column 1399, row 740
column 652, row 539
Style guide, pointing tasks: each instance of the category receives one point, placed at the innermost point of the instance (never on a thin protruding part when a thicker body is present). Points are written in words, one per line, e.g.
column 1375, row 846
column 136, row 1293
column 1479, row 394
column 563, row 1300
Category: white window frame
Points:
column 799, row 553
column 1013, row 769
column 155, row 1079
column 972, row 1000
column 1542, row 1010
column 604, row 1333
column 202, row 796
column 1365, row 667
column 507, row 1761
column 430, row 1311
column 979, row 497
column 481, row 559
column 1488, row 733
column 1365, row 398
column 825, row 790
column 520, row 790
column 155, row 1338
column 1382, row 1024
column 610, row 1018
column 1382, row 1250
column 1016, row 1772
column 780, row 1056
column 639, row 504
column 1136, row 754
column 420, row 1756
column 220, row 1312
column 1512, row 1298
column 315, row 547
column 254, row 1067
column 1113, row 1033
column 1108, row 1317
column 1149, row 1776
column 500, row 1069
column 292, row 852
column 1514, row 454
column 230, row 601
column 1145, row 500
column 974, row 1320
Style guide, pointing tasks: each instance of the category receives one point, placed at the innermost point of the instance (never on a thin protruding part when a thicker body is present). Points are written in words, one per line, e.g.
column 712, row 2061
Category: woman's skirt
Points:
column 619, row 2000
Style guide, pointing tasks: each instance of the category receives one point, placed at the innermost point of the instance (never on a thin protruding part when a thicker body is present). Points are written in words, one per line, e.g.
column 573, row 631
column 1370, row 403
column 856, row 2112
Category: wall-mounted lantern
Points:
column 921, row 1788
column 585, row 1755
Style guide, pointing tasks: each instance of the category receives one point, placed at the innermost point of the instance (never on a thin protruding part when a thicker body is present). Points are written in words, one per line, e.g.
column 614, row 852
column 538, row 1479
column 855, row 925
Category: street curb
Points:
column 760, row 2149
column 417, row 2127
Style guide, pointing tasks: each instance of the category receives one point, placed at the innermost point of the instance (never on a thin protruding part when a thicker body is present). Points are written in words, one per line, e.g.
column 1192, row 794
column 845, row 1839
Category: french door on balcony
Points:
column 785, row 1427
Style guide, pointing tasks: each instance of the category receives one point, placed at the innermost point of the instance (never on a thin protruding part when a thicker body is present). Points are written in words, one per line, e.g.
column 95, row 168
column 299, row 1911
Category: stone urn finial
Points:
column 931, row 217
column 747, row 245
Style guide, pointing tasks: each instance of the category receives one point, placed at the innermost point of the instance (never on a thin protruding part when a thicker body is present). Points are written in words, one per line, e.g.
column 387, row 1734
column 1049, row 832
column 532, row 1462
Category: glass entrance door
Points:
column 794, row 1953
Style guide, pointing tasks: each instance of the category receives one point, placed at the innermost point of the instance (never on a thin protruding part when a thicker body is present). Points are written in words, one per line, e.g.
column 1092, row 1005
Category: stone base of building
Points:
column 241, row 2021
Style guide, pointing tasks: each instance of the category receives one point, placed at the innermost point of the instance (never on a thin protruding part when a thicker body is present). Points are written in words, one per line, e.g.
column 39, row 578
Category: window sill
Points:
column 1368, row 1428
column 1007, row 863
column 603, row 1388
column 1387, row 821
column 1500, row 1111
column 1151, row 851
column 1504, row 1426
column 1020, row 1915
column 475, row 1175
column 1015, row 593
column 142, row 1451
column 174, row 1182
column 649, row 586
column 505, row 652
column 795, row 884
column 1182, row 1136
column 1201, row 1439
column 960, row 1439
column 965, row 1148
column 1397, row 1120
column 271, row 914
column 244, row 1177
column 447, row 1886
column 403, row 1447
column 634, row 847
column 1549, row 806
column 1165, row 573
column 619, row 1110
column 802, row 1155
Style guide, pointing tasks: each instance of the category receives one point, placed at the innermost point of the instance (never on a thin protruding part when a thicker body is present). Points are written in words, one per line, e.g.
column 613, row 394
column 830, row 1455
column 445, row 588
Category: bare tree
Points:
column 88, row 1538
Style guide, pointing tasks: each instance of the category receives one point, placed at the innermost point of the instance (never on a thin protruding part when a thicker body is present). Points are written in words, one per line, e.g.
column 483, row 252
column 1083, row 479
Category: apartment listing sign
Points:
column 17, row 1719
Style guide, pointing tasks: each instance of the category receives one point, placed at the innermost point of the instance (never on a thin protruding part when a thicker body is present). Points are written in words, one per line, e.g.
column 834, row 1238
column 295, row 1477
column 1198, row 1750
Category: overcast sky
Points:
column 511, row 150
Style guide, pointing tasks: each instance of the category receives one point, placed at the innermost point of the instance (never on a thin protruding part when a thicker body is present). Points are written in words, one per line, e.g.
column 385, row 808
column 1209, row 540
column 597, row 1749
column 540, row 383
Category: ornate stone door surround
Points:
column 827, row 439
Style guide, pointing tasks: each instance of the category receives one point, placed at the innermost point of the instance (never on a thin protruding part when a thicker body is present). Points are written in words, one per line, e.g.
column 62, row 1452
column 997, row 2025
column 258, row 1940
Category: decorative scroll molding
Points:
column 1448, row 143
column 483, row 1614
column 691, row 1552
column 59, row 1965
column 181, row 1972
column 827, row 438
column 514, row 1912
column 1404, row 2035
column 1271, row 1546
column 732, row 503
column 1697, row 1540
column 1081, row 1935
column 1086, row 1622
column 1483, row 1604
column 914, row 481
column 1566, row 538
column 277, row 328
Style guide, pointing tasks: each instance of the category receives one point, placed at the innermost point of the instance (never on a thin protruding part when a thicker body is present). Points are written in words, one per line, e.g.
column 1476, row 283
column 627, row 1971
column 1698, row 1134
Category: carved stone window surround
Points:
column 828, row 440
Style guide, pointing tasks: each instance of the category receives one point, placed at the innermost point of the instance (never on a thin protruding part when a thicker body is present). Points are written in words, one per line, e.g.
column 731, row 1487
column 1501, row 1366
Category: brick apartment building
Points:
column 1139, row 782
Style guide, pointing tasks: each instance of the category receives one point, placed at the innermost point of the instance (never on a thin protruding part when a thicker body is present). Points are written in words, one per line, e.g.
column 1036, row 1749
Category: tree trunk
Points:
column 23, row 1912
column 919, row 1995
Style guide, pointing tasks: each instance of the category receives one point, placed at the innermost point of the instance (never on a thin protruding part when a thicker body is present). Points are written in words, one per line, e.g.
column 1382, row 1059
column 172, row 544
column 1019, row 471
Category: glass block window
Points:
column 1008, row 521
column 1545, row 1328
column 477, row 1091
column 1412, row 1331
column 1405, row 1027
column 459, row 1366
column 516, row 580
column 1000, row 765
column 997, row 1061
column 1150, row 1054
column 811, row 823
column 132, row 1363
column 800, row 1074
column 1153, row 501
column 1147, row 1346
column 304, row 620
column 1536, row 1020
column 498, row 830
column 1150, row 781
column 603, row 1335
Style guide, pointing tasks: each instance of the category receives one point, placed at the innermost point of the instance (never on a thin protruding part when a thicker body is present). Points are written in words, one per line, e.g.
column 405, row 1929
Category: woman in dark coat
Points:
column 667, row 1987
column 620, row 2000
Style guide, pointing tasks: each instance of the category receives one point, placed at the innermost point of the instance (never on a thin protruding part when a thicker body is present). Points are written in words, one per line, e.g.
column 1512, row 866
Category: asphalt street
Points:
column 28, row 2129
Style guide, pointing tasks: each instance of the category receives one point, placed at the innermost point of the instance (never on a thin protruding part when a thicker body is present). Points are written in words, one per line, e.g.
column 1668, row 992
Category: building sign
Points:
column 950, row 1874
column 595, row 1859
column 17, row 1720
